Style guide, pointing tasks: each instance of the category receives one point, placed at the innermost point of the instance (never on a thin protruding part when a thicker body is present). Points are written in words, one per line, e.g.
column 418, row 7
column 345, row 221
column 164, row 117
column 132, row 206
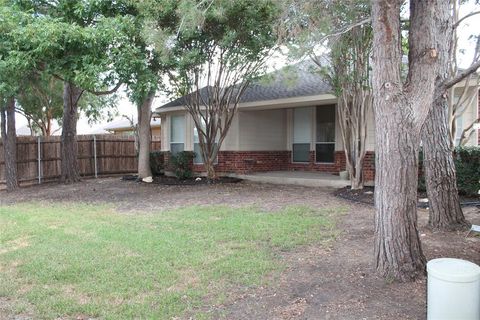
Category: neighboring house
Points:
column 286, row 123
column 24, row 131
column 124, row 127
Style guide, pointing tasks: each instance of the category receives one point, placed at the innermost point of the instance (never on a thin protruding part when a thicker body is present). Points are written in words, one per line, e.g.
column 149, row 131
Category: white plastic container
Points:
column 453, row 291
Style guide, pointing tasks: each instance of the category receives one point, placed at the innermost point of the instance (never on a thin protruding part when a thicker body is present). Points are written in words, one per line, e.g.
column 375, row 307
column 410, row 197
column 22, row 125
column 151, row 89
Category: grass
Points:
column 75, row 260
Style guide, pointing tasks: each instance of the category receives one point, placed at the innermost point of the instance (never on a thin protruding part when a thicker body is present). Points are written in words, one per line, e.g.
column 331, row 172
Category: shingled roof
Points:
column 298, row 80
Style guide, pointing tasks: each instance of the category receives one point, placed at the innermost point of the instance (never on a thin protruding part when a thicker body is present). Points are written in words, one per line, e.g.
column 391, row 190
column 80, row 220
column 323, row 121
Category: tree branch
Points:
column 102, row 93
column 464, row 18
column 346, row 29
column 462, row 75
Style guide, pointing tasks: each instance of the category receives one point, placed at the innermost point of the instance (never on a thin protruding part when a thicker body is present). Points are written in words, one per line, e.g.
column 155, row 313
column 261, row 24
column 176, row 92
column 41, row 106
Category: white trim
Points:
column 304, row 101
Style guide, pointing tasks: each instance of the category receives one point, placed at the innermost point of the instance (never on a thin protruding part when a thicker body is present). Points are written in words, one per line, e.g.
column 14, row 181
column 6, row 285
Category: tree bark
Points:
column 398, row 250
column 210, row 168
column 9, row 137
column 400, row 111
column 144, row 136
column 69, row 148
column 445, row 211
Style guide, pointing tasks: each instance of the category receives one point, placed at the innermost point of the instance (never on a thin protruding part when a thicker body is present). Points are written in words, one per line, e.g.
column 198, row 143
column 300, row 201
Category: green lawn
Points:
column 84, row 260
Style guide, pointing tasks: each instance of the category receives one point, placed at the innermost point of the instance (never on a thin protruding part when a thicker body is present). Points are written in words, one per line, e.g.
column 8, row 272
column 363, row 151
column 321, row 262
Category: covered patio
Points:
column 302, row 178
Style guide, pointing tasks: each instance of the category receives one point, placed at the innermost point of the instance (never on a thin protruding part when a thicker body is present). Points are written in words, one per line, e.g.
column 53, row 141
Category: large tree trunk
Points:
column 144, row 136
column 398, row 251
column 9, row 137
column 69, row 147
column 400, row 110
column 445, row 211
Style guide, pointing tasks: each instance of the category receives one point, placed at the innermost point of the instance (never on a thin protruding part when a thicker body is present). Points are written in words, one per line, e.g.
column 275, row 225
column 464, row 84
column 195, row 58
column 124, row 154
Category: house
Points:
column 288, row 122
column 24, row 131
column 124, row 127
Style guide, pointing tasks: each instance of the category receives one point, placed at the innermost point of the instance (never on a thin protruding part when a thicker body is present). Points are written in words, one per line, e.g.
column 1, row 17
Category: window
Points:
column 325, row 138
column 302, row 130
column 177, row 134
column 459, row 130
column 196, row 148
column 198, row 159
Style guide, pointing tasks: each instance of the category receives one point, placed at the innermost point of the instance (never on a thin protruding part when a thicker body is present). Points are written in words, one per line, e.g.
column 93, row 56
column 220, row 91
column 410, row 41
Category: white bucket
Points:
column 453, row 290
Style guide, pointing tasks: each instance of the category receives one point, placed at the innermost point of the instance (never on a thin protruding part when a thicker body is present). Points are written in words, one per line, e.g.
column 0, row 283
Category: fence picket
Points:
column 38, row 158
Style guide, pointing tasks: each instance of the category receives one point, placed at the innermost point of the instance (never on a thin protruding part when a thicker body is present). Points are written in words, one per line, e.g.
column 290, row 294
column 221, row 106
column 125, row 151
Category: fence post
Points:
column 39, row 160
column 95, row 155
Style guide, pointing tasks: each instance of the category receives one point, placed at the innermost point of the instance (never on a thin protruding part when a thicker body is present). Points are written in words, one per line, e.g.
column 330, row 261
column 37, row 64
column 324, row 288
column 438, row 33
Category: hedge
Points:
column 157, row 162
column 467, row 164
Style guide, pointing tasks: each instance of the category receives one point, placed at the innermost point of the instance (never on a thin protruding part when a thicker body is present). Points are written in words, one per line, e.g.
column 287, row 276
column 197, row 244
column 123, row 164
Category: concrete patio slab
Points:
column 302, row 178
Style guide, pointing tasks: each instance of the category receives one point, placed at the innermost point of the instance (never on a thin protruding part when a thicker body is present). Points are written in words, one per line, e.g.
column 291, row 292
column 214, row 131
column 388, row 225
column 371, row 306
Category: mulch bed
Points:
column 366, row 196
column 173, row 181
column 363, row 196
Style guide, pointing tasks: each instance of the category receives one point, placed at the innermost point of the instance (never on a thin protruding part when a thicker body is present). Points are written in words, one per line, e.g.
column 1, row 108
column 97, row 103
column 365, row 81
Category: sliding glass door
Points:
column 325, row 137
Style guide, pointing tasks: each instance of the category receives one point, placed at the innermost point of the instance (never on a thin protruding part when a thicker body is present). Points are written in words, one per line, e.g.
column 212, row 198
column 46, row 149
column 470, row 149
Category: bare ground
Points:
column 333, row 283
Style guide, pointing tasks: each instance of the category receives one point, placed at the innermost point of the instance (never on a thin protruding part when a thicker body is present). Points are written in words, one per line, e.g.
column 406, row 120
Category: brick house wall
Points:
column 244, row 162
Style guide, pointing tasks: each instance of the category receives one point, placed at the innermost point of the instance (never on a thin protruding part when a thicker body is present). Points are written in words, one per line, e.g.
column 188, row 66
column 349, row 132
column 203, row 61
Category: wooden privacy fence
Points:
column 39, row 158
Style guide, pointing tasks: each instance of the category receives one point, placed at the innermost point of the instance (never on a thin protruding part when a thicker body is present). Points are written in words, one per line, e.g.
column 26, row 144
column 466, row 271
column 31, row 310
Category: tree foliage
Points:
column 337, row 36
column 40, row 101
column 217, row 48
column 349, row 74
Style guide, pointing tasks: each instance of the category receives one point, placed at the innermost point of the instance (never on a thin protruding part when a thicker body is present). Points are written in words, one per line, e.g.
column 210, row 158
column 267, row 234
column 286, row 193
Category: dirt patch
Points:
column 130, row 196
column 340, row 283
column 15, row 245
column 366, row 196
column 337, row 282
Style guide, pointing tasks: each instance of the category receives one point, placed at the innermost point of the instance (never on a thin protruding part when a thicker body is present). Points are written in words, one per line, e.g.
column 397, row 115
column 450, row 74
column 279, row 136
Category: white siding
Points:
column 164, row 130
column 470, row 114
column 231, row 140
column 370, row 142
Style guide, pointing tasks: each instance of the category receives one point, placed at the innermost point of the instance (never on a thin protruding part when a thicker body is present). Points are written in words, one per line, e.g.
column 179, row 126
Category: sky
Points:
column 125, row 107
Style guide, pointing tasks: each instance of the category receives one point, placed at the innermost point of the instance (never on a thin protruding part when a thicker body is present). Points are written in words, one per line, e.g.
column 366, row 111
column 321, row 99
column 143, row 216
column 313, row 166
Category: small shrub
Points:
column 182, row 164
column 157, row 162
column 467, row 163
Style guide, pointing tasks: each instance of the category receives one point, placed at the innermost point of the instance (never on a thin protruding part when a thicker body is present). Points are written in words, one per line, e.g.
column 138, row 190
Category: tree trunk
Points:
column 400, row 110
column 445, row 211
column 398, row 251
column 69, row 147
column 210, row 168
column 144, row 136
column 9, row 137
